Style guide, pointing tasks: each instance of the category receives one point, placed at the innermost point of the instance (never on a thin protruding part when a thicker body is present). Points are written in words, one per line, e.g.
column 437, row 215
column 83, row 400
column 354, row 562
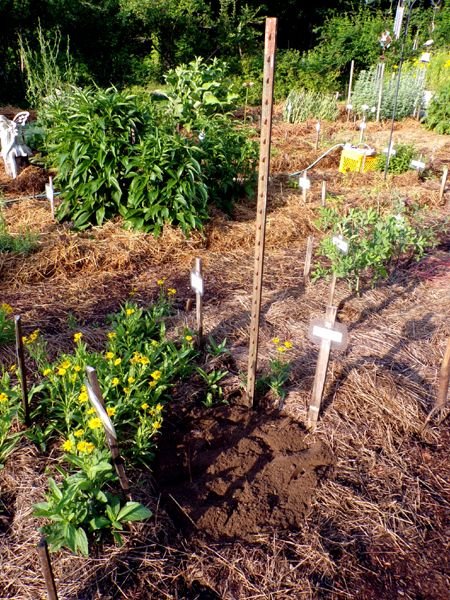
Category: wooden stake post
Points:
column 324, row 193
column 96, row 399
column 47, row 571
column 308, row 258
column 443, row 183
column 263, row 180
column 444, row 378
column 349, row 96
column 22, row 369
column 197, row 286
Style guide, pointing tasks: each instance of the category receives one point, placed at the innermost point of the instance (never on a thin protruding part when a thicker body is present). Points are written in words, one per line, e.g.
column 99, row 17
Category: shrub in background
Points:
column 367, row 89
column 302, row 105
column 438, row 113
column 399, row 162
column 438, row 71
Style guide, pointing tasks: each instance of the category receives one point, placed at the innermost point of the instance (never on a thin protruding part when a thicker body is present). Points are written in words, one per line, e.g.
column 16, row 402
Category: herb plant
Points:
column 6, row 324
column 400, row 162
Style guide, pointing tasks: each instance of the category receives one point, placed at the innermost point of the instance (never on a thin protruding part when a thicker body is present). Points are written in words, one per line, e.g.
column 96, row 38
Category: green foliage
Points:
column 374, row 242
column 199, row 89
column 399, row 162
column 22, row 243
column 49, row 68
column 438, row 71
column 7, row 334
column 303, row 105
column 366, row 92
column 438, row 113
column 214, row 391
column 278, row 371
column 9, row 407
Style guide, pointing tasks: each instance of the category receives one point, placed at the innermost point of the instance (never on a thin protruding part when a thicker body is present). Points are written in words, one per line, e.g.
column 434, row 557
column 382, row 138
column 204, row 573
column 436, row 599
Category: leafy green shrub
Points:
column 399, row 162
column 374, row 241
column 22, row 243
column 438, row 113
column 9, row 407
column 367, row 89
column 303, row 105
column 438, row 71
column 7, row 333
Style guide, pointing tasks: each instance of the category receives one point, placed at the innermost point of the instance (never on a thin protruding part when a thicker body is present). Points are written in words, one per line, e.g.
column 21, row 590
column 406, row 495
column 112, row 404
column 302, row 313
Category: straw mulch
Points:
column 377, row 526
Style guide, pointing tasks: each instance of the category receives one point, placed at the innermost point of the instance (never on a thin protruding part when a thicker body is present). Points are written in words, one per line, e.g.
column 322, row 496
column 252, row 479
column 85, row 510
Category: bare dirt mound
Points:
column 236, row 473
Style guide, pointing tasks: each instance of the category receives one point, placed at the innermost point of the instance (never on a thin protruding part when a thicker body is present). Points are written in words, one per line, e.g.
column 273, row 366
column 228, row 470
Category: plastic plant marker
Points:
column 198, row 287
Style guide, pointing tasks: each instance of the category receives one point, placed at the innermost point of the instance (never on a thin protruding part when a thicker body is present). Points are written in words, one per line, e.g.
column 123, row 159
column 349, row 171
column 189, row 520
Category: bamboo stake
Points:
column 47, row 571
column 22, row 369
column 324, row 193
column 380, row 92
column 263, row 180
column 199, row 305
column 308, row 258
column 349, row 96
column 444, row 378
column 443, row 183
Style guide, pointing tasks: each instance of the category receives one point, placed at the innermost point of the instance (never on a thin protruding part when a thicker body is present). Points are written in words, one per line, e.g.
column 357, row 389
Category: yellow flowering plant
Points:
column 278, row 370
column 6, row 324
column 9, row 409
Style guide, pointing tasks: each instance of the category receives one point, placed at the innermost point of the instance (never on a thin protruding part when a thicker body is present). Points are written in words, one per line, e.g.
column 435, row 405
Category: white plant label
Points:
column 340, row 243
column 304, row 182
column 349, row 106
column 327, row 334
column 101, row 412
column 318, row 126
column 417, row 164
column 363, row 125
column 391, row 153
column 197, row 282
column 49, row 191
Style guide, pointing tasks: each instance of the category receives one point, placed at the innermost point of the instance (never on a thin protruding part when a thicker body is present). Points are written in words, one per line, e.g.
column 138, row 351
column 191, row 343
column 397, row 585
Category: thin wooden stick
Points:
column 443, row 183
column 263, row 180
column 380, row 92
column 47, row 571
column 308, row 258
column 22, row 369
column 324, row 193
column 321, row 371
column 444, row 378
column 332, row 290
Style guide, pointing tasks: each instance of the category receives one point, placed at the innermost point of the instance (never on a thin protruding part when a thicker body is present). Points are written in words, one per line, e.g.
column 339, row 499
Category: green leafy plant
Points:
column 9, row 407
column 215, row 349
column 22, row 243
column 302, row 105
column 438, row 113
column 400, row 162
column 214, row 391
column 7, row 334
column 374, row 242
column 278, row 370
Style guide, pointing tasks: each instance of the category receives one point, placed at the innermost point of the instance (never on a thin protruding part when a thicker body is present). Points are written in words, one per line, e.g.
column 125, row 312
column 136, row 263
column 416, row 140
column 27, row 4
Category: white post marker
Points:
column 341, row 243
column 318, row 126
column 362, row 128
column 96, row 399
column 197, row 286
column 304, row 182
column 50, row 193
column 419, row 165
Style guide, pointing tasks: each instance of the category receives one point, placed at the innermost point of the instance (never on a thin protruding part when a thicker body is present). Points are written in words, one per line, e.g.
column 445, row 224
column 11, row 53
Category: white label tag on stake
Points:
column 318, row 126
column 363, row 125
column 327, row 334
column 340, row 243
column 101, row 412
column 304, row 182
column 49, row 192
column 349, row 106
column 417, row 164
column 197, row 282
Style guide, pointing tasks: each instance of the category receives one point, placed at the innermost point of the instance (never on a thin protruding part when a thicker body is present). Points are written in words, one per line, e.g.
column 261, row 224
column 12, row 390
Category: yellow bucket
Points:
column 357, row 160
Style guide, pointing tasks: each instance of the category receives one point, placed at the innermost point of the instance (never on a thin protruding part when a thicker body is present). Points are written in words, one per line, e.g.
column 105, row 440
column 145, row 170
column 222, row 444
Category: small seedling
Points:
column 214, row 391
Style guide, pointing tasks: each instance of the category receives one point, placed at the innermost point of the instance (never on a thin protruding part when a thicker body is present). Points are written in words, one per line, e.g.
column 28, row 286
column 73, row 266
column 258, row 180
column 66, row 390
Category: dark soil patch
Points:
column 235, row 473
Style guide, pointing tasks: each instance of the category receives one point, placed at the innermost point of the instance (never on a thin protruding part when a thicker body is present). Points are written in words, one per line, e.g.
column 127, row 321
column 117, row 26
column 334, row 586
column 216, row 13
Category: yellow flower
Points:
column 24, row 339
column 46, row 372
column 109, row 355
column 77, row 337
column 130, row 311
column 158, row 407
column 79, row 433
column 144, row 360
column 188, row 338
column 6, row 308
column 62, row 371
column 276, row 340
column 171, row 291
column 85, row 447
column 67, row 446
column 115, row 381
column 31, row 338
column 126, row 390
column 77, row 368
column 161, row 281
column 156, row 424
column 83, row 397
column 131, row 380
column 446, row 66
column 156, row 375
column 91, row 411
column 13, row 368
column 153, row 384
column 112, row 335
column 94, row 423
column 117, row 361
column 3, row 398
column 111, row 411
column 65, row 364
column 288, row 344
column 144, row 406
column 281, row 349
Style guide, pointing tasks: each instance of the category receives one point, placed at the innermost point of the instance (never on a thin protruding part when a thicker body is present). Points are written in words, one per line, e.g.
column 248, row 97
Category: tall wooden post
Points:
column 263, row 181
column 444, row 377
column 47, row 571
column 443, row 183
